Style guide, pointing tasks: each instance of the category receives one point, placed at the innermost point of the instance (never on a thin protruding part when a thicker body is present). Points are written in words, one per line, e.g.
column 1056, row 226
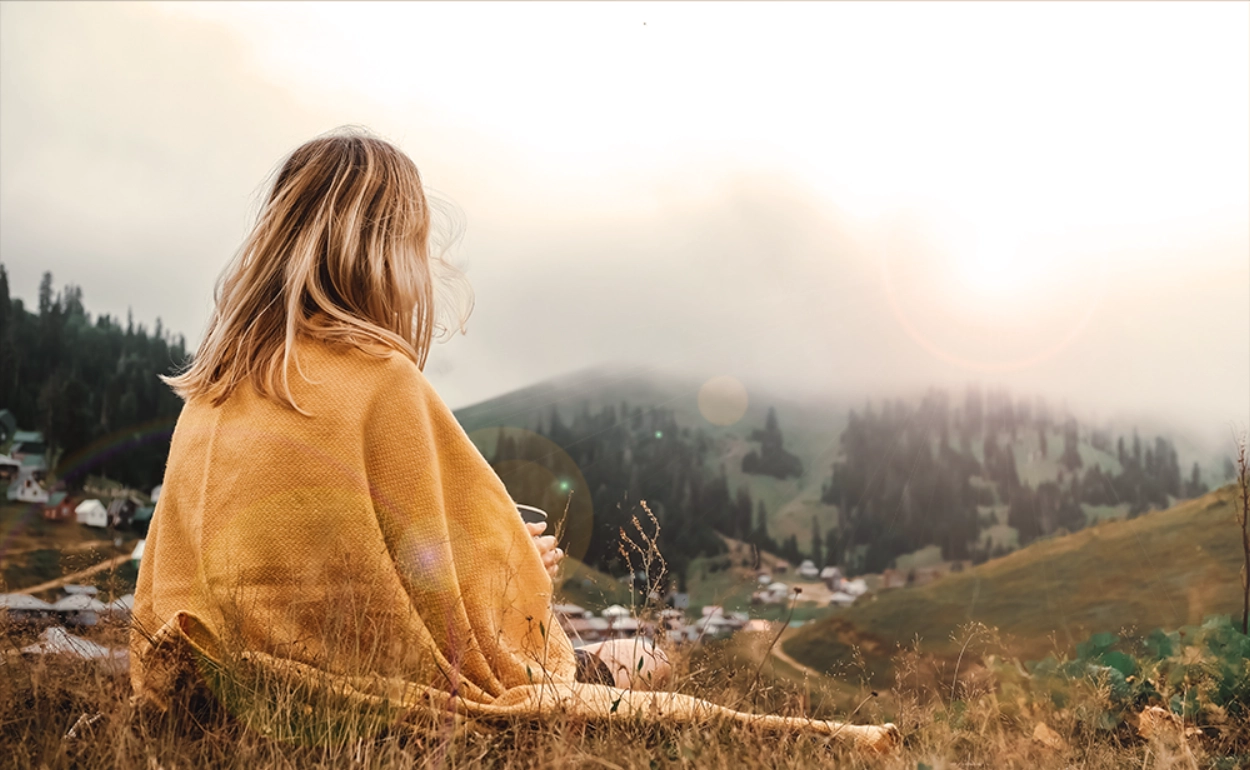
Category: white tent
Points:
column 625, row 625
column 21, row 603
column 123, row 605
column 156, row 493
column 569, row 610
column 841, row 599
column 856, row 587
column 615, row 611
column 137, row 553
column 58, row 641
column 92, row 513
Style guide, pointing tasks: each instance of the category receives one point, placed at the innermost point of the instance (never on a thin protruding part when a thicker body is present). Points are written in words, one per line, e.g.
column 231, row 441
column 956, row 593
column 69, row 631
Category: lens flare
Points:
column 537, row 472
column 1009, row 304
column 722, row 400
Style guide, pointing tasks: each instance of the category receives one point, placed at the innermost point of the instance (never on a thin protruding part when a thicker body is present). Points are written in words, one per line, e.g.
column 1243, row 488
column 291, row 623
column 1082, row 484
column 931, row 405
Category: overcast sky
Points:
column 818, row 198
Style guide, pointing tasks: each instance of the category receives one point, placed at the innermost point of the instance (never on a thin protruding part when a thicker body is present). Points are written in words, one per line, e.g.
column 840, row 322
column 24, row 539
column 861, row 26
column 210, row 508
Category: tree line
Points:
column 89, row 384
column 908, row 477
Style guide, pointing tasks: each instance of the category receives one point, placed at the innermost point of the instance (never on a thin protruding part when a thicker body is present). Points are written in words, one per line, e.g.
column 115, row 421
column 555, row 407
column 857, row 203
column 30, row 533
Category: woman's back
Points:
column 327, row 538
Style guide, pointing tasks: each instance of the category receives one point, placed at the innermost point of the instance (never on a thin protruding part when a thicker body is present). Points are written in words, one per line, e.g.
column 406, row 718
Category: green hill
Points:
column 811, row 429
column 589, row 588
column 1163, row 569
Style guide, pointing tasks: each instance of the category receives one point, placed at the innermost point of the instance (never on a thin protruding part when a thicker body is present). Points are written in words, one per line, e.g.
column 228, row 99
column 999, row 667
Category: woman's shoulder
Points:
column 366, row 365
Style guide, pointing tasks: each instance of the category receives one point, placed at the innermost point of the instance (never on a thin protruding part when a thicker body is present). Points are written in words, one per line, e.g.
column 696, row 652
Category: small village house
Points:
column 27, row 487
column 92, row 513
column 121, row 510
column 832, row 577
column 773, row 593
column 60, row 507
column 28, row 448
column 892, row 578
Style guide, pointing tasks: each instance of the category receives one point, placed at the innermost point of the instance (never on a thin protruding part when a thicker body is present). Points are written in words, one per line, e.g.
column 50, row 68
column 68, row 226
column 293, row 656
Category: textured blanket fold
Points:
column 367, row 547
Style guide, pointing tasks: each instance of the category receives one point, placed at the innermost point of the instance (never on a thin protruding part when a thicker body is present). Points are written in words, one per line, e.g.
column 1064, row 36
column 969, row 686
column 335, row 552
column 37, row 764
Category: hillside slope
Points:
column 811, row 430
column 1163, row 569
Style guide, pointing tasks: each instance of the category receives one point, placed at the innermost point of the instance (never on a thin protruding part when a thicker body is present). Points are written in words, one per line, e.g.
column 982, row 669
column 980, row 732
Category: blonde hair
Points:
column 340, row 252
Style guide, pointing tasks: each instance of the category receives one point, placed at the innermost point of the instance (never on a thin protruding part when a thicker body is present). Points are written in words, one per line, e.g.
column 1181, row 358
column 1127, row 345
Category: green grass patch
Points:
column 1163, row 569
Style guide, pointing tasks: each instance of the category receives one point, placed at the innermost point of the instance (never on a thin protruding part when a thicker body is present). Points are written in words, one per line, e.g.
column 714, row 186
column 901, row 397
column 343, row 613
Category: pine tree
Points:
column 790, row 550
column 772, row 459
column 833, row 546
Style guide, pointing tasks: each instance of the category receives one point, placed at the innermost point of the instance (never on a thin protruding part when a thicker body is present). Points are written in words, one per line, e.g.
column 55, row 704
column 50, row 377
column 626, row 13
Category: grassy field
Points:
column 34, row 551
column 1163, row 569
column 61, row 713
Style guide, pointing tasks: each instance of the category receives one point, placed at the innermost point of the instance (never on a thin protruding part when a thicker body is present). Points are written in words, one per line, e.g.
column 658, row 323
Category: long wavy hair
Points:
column 341, row 253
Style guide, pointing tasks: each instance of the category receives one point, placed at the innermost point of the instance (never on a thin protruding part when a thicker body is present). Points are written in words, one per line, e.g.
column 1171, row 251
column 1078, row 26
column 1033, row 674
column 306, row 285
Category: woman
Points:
column 325, row 520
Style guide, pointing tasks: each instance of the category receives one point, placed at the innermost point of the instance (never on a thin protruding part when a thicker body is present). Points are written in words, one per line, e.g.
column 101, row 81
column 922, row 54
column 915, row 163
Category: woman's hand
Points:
column 546, row 547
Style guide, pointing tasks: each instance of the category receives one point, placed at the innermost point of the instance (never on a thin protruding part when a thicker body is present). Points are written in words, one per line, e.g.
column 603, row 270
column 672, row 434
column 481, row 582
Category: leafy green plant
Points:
column 1199, row 673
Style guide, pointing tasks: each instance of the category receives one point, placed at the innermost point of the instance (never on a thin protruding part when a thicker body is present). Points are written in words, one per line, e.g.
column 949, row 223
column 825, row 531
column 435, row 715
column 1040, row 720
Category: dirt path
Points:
column 85, row 545
column 70, row 578
column 780, row 654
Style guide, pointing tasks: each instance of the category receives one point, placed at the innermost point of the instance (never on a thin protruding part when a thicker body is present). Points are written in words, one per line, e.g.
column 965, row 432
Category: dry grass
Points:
column 966, row 721
column 61, row 713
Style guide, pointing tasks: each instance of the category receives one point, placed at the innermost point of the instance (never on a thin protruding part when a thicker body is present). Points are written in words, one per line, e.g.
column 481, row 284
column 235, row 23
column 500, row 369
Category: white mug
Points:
column 531, row 515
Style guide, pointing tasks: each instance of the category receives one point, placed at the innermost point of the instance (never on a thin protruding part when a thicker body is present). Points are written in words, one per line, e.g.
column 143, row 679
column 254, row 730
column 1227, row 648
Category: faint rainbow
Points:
column 79, row 462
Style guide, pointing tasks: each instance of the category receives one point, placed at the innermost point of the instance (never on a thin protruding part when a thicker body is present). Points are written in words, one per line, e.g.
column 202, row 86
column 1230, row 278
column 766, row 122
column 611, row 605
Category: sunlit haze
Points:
column 836, row 198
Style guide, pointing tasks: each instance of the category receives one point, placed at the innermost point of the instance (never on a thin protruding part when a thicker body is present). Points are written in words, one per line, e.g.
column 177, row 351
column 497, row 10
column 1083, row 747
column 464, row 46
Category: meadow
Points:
column 971, row 695
column 59, row 713
column 1164, row 569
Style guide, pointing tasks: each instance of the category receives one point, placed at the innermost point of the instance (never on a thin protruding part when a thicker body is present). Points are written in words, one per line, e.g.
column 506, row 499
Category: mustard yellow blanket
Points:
column 368, row 548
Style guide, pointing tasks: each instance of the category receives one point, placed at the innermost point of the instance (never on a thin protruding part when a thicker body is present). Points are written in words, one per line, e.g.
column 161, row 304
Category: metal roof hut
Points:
column 23, row 608
column 58, row 641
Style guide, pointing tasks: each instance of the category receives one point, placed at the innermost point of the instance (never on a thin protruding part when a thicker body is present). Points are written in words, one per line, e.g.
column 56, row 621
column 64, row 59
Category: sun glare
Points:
column 993, row 265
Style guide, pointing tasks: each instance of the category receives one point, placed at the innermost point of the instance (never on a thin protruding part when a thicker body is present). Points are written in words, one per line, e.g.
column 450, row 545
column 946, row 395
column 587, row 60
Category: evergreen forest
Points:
column 89, row 384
